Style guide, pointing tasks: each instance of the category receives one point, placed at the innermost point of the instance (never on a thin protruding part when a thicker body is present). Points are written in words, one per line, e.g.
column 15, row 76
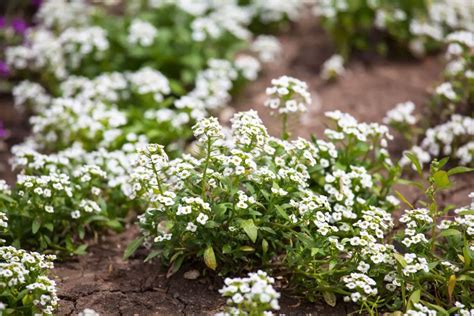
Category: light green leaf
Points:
column 400, row 259
column 401, row 197
column 459, row 169
column 415, row 296
column 329, row 298
column 250, row 229
column 210, row 258
column 264, row 246
column 414, row 159
column 441, row 179
column 450, row 232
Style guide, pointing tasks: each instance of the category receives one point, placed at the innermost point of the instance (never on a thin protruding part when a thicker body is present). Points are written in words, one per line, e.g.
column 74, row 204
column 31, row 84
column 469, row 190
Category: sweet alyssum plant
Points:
column 54, row 204
column 230, row 205
column 25, row 288
column 417, row 26
column 434, row 267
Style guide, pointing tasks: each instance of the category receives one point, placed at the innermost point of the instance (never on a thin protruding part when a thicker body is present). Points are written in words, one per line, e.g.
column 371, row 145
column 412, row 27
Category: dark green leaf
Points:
column 132, row 247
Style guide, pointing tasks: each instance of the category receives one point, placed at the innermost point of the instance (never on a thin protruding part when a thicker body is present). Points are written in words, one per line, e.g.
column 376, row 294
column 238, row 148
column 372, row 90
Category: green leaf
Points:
column 414, row 159
column 152, row 255
column 114, row 224
column 467, row 256
column 175, row 266
column 466, row 212
column 400, row 259
column 6, row 198
column 443, row 162
column 451, row 285
column 247, row 248
column 404, row 199
column 410, row 182
column 281, row 212
column 415, row 297
column 264, row 246
column 132, row 247
column 36, row 225
column 441, row 179
column 226, row 249
column 450, row 232
column 329, row 298
column 210, row 258
column 81, row 250
column 459, row 169
column 250, row 229
column 49, row 226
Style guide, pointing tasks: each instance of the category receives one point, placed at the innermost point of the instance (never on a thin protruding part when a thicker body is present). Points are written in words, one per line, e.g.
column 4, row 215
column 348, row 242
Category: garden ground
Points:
column 101, row 280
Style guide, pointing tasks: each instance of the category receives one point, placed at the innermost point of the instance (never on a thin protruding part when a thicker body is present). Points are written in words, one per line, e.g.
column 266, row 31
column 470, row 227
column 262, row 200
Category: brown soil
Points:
column 111, row 286
column 101, row 280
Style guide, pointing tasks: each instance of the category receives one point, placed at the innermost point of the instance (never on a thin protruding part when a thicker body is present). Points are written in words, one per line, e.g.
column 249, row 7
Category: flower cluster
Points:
column 402, row 114
column 253, row 295
column 288, row 95
column 333, row 67
column 141, row 33
column 230, row 185
column 24, row 282
column 417, row 27
column 362, row 286
column 451, row 138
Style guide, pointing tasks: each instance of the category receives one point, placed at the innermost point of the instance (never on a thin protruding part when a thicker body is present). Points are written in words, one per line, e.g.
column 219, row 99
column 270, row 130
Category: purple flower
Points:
column 36, row 3
column 4, row 70
column 3, row 131
column 19, row 26
column 2, row 22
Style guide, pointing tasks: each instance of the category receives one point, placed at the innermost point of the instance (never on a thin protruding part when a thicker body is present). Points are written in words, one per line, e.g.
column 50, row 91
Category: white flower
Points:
column 288, row 95
column 202, row 218
column 191, row 227
column 142, row 33
column 333, row 67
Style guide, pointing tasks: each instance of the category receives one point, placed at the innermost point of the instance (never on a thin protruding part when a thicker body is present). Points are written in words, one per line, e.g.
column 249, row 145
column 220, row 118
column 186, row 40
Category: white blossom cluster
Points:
column 32, row 95
column 3, row 225
column 277, row 10
column 402, row 113
column 361, row 285
column 68, row 120
column 462, row 220
column 441, row 17
column 348, row 126
column 22, row 270
column 61, row 14
column 267, row 48
column 78, row 43
column 148, row 80
column 111, row 87
column 42, row 51
column 333, row 67
column 441, row 139
column 250, row 294
column 226, row 17
column 288, row 95
column 420, row 310
column 416, row 221
column 142, row 33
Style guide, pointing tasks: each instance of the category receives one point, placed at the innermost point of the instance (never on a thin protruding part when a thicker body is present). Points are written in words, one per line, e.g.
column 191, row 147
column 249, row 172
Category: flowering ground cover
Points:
column 237, row 214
